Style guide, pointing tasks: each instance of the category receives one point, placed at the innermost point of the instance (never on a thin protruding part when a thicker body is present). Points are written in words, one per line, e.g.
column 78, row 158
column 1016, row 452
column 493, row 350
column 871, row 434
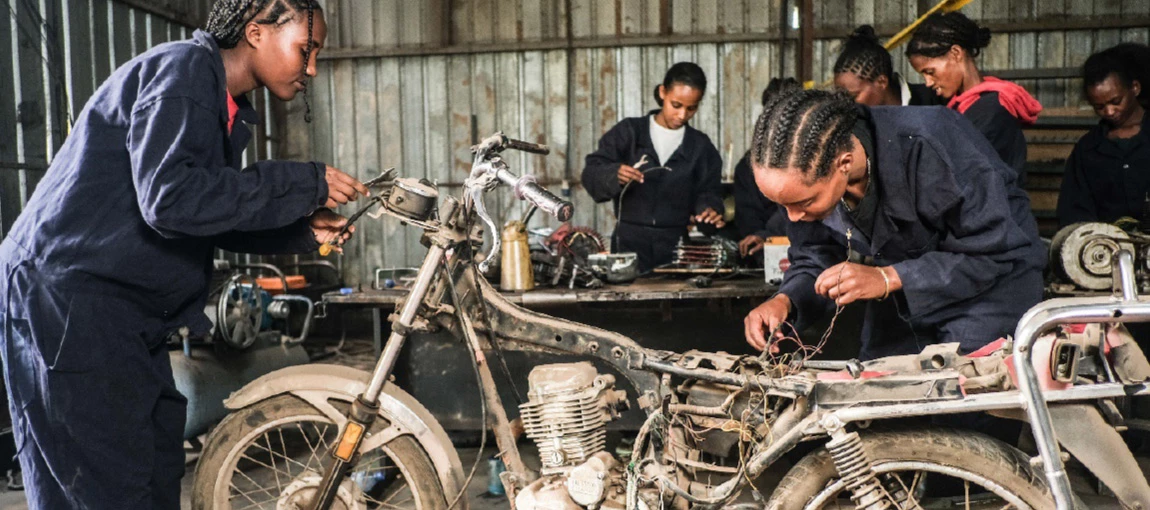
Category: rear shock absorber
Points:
column 854, row 467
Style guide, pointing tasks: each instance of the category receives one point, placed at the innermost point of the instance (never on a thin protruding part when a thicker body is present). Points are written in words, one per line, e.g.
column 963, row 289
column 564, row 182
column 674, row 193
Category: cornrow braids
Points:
column 806, row 130
column 940, row 31
column 228, row 18
column 864, row 56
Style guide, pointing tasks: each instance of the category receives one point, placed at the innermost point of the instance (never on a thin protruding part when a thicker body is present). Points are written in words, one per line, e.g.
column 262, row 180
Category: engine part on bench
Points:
column 615, row 267
column 568, row 407
column 413, row 198
column 698, row 253
column 1082, row 253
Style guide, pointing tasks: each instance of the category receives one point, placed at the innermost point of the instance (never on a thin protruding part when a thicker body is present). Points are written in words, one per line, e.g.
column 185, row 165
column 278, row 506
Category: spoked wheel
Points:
column 272, row 455
column 924, row 470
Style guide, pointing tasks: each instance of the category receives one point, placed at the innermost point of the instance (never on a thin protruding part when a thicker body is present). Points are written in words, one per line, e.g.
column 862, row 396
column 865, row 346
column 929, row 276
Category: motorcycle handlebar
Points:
column 527, row 189
column 499, row 142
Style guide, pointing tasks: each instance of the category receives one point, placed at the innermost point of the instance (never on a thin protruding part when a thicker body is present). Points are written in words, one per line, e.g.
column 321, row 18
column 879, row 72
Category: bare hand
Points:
column 750, row 244
column 767, row 318
column 709, row 216
column 342, row 188
column 326, row 225
column 848, row 282
column 629, row 173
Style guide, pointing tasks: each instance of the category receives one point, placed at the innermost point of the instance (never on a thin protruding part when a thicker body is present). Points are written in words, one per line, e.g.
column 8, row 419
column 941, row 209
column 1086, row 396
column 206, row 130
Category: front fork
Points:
column 364, row 410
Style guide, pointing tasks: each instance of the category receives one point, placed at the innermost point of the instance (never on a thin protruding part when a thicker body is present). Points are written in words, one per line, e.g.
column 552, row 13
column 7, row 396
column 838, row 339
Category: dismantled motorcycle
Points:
column 322, row 436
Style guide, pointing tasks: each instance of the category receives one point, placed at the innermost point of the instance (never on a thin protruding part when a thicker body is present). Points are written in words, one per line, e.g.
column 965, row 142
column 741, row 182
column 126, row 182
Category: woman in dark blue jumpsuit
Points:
column 662, row 196
column 1108, row 173
column 112, row 254
column 907, row 209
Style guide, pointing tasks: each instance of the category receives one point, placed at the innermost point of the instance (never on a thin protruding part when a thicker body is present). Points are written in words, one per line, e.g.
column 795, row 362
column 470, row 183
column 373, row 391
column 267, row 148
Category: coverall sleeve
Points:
column 296, row 238
column 812, row 251
column 179, row 196
column 709, row 180
column 1075, row 201
column 601, row 170
column 978, row 241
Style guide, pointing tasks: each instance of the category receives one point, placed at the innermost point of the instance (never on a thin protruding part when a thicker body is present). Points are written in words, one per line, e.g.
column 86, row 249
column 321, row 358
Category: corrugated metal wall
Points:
column 53, row 56
column 404, row 82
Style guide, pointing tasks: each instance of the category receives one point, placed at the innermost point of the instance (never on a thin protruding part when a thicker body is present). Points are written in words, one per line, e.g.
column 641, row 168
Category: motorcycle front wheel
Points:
column 272, row 455
column 933, row 468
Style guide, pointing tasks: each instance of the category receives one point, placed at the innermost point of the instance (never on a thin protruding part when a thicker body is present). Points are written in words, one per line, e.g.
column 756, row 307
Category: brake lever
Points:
column 480, row 181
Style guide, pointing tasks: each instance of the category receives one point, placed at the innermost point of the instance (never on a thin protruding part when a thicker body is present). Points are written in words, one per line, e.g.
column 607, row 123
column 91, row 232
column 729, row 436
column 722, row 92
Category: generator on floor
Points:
column 258, row 327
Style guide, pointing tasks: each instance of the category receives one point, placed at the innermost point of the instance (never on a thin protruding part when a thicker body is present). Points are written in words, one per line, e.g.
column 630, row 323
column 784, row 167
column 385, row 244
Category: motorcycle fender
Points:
column 319, row 383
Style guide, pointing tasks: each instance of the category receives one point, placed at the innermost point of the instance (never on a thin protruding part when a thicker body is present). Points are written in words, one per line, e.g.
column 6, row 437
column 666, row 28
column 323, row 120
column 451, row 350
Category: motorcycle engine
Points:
column 568, row 408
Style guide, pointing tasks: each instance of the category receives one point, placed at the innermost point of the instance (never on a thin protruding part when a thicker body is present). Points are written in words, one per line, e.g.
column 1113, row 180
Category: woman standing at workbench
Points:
column 943, row 50
column 110, row 260
column 906, row 209
column 661, row 173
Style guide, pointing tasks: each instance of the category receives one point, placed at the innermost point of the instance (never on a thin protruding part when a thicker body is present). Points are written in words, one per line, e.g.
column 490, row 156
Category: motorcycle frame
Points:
column 515, row 328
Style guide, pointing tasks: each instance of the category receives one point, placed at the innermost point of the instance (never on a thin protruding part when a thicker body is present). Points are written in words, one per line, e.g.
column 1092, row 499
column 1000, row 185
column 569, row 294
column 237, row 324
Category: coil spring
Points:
column 856, row 471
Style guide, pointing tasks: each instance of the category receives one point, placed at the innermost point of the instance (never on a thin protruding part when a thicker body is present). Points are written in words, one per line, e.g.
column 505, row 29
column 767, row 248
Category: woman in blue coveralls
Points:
column 112, row 254
column 670, row 171
column 907, row 209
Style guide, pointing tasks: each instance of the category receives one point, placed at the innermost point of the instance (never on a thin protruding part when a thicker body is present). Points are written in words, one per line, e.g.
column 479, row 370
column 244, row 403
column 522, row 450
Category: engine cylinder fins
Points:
column 568, row 407
column 1082, row 253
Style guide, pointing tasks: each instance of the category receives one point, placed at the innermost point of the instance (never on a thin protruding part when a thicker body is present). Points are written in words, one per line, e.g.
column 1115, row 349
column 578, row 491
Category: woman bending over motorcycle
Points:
column 909, row 210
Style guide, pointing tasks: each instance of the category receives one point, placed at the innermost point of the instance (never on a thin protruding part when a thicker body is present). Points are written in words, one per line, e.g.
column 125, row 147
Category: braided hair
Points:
column 779, row 86
column 864, row 56
column 683, row 73
column 228, row 18
column 804, row 129
column 1128, row 62
column 939, row 32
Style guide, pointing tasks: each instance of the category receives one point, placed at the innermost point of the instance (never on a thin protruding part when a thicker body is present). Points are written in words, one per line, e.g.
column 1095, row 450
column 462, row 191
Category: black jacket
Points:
column 1002, row 129
column 664, row 199
column 755, row 213
column 1106, row 180
column 953, row 223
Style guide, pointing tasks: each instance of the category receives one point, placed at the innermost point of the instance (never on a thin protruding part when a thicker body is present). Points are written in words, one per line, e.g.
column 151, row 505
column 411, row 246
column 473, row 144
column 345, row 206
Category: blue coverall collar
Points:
column 246, row 113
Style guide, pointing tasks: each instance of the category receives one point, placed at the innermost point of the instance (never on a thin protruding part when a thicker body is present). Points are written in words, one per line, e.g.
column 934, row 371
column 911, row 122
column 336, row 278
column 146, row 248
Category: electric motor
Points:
column 568, row 407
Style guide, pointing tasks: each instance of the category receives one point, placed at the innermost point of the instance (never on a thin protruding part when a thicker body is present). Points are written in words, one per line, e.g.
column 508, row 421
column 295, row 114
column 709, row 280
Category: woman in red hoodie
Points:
column 943, row 50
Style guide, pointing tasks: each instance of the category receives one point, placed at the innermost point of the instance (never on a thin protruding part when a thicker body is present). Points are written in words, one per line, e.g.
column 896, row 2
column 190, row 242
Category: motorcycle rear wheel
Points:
column 985, row 472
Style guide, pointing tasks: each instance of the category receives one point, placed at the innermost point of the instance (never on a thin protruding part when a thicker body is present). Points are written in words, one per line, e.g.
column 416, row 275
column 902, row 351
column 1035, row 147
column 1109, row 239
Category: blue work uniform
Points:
column 654, row 214
column 952, row 221
column 112, row 255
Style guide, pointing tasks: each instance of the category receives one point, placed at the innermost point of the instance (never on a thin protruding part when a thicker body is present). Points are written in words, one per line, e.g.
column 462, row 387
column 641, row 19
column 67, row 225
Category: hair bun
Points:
column 865, row 33
column 982, row 40
column 658, row 100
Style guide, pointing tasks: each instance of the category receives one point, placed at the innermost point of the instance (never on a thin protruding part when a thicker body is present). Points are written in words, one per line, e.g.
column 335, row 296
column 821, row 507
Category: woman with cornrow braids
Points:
column 943, row 49
column 865, row 71
column 907, row 210
column 110, row 260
